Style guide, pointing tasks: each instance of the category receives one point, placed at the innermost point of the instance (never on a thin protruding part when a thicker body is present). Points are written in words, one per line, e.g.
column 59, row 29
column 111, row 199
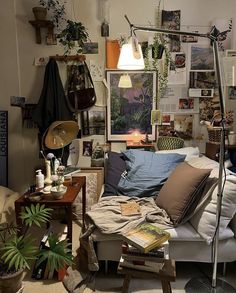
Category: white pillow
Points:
column 204, row 162
column 204, row 220
column 190, row 152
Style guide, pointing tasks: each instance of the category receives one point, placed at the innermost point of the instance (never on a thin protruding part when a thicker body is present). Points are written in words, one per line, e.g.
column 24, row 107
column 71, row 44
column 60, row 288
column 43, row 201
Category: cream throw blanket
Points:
column 107, row 218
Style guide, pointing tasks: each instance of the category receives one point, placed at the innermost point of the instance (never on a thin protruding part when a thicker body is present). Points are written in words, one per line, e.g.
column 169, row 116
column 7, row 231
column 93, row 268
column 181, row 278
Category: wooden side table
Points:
column 212, row 150
column 166, row 275
column 73, row 189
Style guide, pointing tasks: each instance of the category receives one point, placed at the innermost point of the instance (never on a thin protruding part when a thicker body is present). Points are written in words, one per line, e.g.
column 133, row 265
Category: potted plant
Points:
column 73, row 37
column 56, row 9
column 161, row 57
column 17, row 251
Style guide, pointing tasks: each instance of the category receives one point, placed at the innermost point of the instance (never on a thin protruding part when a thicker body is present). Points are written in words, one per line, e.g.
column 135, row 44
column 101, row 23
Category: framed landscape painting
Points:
column 129, row 109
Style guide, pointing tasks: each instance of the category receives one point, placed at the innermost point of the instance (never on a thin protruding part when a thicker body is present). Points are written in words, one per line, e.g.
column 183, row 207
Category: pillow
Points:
column 182, row 191
column 205, row 219
column 146, row 172
column 204, row 162
column 115, row 166
column 190, row 152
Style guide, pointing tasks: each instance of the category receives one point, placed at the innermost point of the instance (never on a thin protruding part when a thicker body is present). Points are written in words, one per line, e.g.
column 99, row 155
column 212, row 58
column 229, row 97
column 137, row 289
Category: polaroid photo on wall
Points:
column 201, row 93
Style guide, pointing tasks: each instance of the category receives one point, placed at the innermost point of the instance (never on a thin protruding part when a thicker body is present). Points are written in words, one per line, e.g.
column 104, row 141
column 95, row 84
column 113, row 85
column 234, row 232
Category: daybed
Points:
column 193, row 231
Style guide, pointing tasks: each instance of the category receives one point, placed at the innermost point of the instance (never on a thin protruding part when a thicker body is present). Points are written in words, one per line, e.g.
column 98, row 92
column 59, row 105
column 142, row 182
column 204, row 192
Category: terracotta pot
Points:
column 40, row 13
column 11, row 283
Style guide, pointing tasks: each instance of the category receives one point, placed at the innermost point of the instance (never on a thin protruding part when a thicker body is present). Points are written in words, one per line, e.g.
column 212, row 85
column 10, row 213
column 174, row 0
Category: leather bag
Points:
column 81, row 93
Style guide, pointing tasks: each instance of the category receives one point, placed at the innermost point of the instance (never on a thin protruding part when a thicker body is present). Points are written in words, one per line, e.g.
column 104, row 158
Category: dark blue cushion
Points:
column 114, row 167
column 146, row 172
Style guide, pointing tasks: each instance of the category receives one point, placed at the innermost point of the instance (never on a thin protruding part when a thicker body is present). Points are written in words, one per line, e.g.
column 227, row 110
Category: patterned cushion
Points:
column 169, row 143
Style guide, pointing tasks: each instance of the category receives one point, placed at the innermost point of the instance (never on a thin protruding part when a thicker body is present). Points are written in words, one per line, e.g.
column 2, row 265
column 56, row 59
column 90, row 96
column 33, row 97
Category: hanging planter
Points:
column 40, row 13
column 73, row 37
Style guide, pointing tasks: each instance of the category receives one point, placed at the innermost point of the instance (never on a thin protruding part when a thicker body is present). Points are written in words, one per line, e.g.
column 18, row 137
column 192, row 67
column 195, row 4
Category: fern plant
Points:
column 18, row 251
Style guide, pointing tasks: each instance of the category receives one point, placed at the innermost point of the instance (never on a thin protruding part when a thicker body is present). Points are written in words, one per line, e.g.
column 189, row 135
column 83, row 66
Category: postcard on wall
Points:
column 201, row 58
column 229, row 65
column 93, row 121
column 223, row 28
column 167, row 128
column 202, row 79
column 177, row 73
column 189, row 39
column 207, row 106
column 232, row 92
column 156, row 117
column 183, row 124
column 201, row 93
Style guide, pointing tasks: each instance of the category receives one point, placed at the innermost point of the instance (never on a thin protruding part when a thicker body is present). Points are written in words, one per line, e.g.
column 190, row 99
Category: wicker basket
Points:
column 214, row 134
column 169, row 143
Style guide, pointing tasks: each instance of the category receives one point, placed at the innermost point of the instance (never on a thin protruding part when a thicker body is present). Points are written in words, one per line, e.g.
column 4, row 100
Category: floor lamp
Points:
column 131, row 58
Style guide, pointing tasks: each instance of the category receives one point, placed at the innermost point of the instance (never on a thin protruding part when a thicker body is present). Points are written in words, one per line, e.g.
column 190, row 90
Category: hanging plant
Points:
column 73, row 37
column 161, row 59
column 57, row 11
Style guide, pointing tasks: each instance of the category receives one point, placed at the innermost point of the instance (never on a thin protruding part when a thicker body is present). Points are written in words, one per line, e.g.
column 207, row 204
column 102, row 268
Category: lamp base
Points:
column 203, row 285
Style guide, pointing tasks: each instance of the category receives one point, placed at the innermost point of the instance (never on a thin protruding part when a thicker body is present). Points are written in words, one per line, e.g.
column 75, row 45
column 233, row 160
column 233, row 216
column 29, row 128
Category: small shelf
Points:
column 38, row 24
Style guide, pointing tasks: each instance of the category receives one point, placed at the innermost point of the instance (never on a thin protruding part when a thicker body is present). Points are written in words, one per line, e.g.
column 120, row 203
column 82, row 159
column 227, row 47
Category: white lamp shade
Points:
column 125, row 81
column 127, row 61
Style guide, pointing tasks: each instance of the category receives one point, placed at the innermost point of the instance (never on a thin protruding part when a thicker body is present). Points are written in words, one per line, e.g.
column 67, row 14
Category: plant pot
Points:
column 40, row 13
column 58, row 193
column 11, row 283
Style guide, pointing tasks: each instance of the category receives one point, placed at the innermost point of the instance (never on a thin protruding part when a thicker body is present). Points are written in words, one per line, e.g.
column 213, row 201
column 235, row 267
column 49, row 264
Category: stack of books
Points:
column 145, row 248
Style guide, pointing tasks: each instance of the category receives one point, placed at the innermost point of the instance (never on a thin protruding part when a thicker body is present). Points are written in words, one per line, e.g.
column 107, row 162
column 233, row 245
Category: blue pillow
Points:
column 146, row 172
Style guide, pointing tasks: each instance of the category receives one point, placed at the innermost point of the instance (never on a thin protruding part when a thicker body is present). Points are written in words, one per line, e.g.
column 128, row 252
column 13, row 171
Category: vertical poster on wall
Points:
column 171, row 20
column 4, row 148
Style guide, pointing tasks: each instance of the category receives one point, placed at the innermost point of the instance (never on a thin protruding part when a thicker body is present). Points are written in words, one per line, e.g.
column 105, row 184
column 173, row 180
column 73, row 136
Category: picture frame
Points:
column 129, row 109
column 93, row 121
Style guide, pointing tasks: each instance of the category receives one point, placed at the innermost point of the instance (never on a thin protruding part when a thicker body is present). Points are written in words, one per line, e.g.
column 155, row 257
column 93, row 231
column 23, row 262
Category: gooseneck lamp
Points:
column 131, row 58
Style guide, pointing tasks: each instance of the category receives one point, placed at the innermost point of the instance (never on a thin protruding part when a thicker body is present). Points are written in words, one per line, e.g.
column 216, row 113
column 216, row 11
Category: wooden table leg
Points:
column 166, row 287
column 126, row 283
column 83, row 206
column 69, row 223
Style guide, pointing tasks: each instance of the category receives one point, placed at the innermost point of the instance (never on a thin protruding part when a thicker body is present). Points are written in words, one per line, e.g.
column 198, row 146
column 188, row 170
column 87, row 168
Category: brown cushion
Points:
column 182, row 191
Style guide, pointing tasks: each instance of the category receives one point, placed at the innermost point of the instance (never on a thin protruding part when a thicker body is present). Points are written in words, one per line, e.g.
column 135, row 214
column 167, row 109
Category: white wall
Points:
column 18, row 75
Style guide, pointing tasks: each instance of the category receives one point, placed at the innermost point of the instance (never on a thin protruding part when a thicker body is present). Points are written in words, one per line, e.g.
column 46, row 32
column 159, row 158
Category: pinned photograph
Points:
column 183, row 125
column 232, row 92
column 156, row 117
column 202, row 58
column 189, row 39
column 87, row 148
column 186, row 104
column 201, row 79
column 90, row 48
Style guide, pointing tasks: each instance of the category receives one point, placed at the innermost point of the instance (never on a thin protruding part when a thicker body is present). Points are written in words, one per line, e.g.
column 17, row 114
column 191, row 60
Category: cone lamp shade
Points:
column 127, row 60
column 60, row 133
column 125, row 81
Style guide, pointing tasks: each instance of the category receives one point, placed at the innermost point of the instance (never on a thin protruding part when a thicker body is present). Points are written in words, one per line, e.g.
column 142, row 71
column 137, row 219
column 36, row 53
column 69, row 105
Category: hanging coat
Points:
column 52, row 105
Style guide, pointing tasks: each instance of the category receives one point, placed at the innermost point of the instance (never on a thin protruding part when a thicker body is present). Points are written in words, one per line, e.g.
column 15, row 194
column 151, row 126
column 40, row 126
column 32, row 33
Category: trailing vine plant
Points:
column 160, row 59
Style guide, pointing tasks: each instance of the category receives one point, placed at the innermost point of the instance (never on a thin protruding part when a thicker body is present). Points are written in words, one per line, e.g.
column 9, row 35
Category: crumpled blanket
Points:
column 106, row 216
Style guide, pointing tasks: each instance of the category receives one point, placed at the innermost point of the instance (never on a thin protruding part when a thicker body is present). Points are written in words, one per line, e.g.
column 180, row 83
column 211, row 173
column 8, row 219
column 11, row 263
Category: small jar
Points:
column 232, row 138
